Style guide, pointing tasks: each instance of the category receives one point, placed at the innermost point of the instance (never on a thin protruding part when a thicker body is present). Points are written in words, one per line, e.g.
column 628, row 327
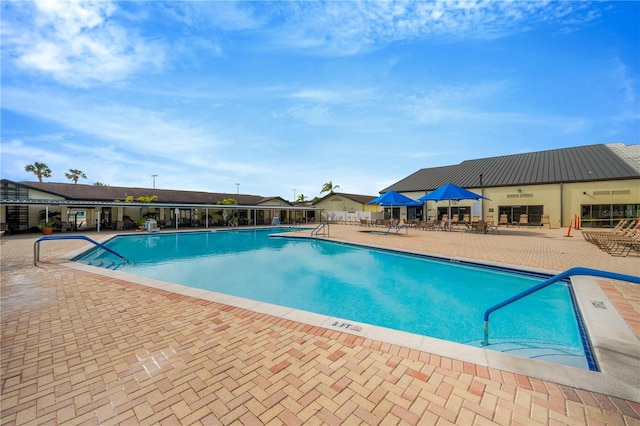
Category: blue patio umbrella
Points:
column 393, row 198
column 450, row 192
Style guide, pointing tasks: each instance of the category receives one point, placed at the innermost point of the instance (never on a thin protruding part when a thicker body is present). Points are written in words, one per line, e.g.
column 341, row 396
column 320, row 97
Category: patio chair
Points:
column 492, row 226
column 444, row 222
column 481, row 227
column 504, row 220
column 622, row 223
column 524, row 220
column 627, row 229
column 396, row 226
column 620, row 245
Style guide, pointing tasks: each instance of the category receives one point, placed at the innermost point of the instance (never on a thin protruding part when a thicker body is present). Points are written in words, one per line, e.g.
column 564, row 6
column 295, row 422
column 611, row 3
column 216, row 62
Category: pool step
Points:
column 544, row 351
column 101, row 263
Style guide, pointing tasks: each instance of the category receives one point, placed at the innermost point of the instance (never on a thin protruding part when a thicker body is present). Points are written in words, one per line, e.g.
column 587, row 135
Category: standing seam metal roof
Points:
column 578, row 164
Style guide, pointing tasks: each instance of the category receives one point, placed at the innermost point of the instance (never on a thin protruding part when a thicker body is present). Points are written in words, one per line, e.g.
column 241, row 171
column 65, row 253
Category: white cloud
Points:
column 224, row 15
column 352, row 27
column 452, row 102
column 626, row 85
column 350, row 96
column 317, row 95
column 311, row 114
column 471, row 106
column 129, row 128
column 87, row 43
column 127, row 144
column 77, row 43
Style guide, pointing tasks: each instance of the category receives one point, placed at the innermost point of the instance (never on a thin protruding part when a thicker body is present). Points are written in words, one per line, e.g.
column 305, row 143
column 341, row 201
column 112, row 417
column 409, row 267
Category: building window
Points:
column 513, row 213
column 395, row 214
column 414, row 213
column 11, row 191
column 607, row 215
column 457, row 213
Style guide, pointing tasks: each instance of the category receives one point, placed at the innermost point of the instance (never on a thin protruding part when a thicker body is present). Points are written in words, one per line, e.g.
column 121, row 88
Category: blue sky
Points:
column 282, row 97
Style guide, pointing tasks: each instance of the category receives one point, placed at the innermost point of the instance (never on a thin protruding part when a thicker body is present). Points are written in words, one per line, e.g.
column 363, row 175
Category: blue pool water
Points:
column 411, row 293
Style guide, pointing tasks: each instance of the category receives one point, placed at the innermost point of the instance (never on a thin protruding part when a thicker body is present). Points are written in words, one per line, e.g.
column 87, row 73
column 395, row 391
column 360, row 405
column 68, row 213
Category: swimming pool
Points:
column 394, row 290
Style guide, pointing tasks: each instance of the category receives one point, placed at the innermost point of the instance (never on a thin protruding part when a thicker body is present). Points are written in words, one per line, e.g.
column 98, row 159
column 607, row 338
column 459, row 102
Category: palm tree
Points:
column 39, row 169
column 301, row 198
column 329, row 187
column 75, row 174
column 146, row 199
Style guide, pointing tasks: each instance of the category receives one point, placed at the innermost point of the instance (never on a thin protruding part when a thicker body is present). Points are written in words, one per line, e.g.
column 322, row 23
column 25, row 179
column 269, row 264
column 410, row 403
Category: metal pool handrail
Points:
column 36, row 245
column 319, row 228
column 559, row 277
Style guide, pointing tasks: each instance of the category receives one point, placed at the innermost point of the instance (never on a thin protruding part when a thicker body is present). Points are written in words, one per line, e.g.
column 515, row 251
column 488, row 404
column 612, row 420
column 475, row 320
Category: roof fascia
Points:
column 94, row 204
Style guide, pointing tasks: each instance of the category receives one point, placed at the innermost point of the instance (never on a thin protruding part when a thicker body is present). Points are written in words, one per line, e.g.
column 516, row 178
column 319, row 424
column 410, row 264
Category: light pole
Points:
column 237, row 188
column 154, row 180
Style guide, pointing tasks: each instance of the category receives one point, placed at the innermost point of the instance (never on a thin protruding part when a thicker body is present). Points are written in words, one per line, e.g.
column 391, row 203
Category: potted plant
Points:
column 140, row 223
column 46, row 226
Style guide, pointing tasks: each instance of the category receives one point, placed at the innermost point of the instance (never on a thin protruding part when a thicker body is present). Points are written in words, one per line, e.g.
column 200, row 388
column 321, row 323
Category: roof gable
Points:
column 358, row 198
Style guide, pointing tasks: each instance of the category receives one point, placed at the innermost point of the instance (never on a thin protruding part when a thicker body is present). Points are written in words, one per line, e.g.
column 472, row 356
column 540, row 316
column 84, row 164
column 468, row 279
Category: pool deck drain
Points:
column 80, row 347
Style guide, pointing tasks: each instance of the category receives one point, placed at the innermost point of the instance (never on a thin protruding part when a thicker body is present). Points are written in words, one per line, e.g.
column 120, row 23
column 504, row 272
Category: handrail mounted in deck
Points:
column 319, row 228
column 556, row 278
column 36, row 245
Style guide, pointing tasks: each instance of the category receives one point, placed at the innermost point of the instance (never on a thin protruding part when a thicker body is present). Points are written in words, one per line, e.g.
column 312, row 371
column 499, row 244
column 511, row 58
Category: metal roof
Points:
column 578, row 164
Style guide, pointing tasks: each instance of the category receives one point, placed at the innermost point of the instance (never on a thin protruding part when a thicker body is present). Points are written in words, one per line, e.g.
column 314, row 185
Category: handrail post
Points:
column 317, row 229
column 36, row 253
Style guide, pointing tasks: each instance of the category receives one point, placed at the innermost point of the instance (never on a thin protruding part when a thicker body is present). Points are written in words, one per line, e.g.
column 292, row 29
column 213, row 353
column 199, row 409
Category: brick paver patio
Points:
column 82, row 348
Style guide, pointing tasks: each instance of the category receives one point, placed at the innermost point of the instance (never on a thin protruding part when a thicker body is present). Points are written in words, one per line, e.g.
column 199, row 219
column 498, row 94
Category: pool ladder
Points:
column 324, row 227
column 36, row 245
column 566, row 274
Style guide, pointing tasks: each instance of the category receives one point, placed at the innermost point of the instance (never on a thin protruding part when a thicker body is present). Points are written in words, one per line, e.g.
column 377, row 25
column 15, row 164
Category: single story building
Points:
column 76, row 206
column 343, row 202
column 599, row 184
